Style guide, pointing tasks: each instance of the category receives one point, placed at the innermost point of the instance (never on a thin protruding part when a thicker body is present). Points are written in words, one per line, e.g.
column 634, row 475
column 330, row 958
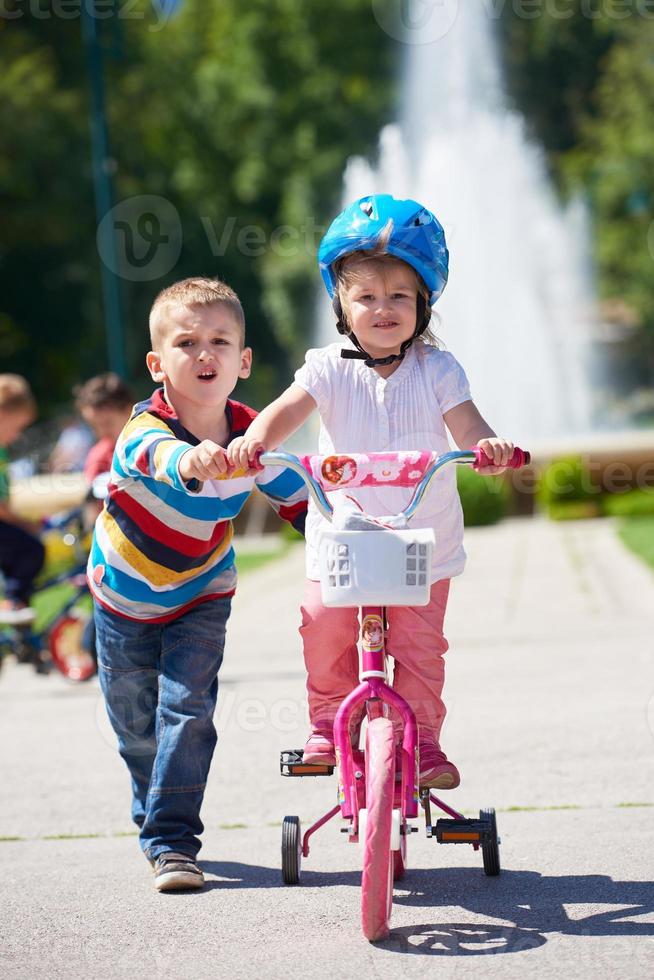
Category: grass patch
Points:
column 4, row 840
column 250, row 561
column 638, row 535
column 634, row 804
column 71, row 836
column 232, row 826
column 540, row 809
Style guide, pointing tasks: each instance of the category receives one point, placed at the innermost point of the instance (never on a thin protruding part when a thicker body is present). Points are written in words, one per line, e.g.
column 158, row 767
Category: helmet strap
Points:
column 423, row 316
column 341, row 325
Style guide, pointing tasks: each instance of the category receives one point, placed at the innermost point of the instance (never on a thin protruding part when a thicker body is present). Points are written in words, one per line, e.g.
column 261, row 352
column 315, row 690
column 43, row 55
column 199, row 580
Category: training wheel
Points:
column 291, row 850
column 490, row 846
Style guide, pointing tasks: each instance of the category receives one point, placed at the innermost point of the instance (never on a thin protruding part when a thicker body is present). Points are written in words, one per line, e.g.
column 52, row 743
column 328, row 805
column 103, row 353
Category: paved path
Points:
column 551, row 697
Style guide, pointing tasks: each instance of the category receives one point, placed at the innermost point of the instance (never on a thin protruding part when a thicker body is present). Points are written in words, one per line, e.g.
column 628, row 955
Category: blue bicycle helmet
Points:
column 414, row 235
column 410, row 233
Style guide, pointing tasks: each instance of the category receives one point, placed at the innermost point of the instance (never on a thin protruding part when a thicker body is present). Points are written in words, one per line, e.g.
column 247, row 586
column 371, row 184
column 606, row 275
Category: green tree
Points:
column 615, row 158
column 242, row 116
column 586, row 84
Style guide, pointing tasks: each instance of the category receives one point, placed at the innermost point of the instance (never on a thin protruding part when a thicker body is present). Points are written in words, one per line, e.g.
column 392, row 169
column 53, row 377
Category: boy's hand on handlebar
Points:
column 499, row 451
column 244, row 452
column 206, row 461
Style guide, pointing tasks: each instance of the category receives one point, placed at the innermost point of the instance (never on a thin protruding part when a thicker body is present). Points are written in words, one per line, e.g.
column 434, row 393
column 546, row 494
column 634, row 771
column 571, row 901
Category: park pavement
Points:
column 550, row 692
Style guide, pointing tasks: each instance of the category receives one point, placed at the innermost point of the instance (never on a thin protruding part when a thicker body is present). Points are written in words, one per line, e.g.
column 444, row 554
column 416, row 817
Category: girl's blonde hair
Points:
column 352, row 269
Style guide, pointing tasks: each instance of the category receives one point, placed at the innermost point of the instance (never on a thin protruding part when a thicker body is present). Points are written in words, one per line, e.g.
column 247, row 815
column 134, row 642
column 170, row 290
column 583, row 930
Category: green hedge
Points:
column 566, row 492
column 484, row 498
column 634, row 503
column 575, row 510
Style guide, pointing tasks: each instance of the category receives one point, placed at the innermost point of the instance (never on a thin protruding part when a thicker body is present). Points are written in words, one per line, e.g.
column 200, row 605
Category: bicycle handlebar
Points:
column 419, row 468
column 520, row 458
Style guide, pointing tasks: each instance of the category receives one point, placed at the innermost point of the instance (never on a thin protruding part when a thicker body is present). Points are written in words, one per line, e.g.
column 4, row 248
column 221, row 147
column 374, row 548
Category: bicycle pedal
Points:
column 449, row 831
column 291, row 764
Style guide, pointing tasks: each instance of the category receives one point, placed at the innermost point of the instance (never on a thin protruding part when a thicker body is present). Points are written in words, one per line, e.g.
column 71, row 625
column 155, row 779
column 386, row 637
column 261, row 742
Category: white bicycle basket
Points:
column 375, row 568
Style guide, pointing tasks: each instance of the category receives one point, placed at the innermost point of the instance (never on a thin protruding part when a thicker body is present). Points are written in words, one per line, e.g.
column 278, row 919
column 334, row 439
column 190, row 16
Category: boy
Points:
column 161, row 567
column 21, row 552
column 105, row 403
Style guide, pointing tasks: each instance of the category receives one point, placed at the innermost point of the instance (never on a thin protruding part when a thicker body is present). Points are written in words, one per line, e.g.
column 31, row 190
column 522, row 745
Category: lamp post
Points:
column 102, row 165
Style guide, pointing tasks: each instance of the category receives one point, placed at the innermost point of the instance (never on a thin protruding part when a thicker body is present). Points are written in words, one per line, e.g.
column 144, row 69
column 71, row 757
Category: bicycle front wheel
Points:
column 377, row 876
column 66, row 643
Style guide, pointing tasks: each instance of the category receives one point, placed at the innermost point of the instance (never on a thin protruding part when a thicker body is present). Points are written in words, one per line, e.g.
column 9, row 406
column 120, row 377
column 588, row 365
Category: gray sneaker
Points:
column 174, row 872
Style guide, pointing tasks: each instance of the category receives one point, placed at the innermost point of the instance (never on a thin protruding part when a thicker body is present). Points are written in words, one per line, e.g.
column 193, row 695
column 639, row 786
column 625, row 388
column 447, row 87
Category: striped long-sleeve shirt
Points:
column 161, row 545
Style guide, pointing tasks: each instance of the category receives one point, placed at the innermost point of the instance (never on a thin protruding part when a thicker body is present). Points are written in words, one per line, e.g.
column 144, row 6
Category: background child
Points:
column 21, row 552
column 72, row 446
column 105, row 403
column 161, row 567
column 384, row 263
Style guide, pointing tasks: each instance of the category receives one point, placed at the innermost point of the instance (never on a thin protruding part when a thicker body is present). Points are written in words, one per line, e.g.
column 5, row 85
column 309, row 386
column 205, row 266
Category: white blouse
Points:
column 363, row 412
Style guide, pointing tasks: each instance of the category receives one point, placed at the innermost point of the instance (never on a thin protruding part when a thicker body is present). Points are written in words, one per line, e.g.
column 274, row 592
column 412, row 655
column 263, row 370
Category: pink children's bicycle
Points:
column 373, row 563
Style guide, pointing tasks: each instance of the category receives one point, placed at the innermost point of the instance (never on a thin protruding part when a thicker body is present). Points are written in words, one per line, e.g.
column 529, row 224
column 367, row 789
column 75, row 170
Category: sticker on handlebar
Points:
column 372, row 633
column 401, row 469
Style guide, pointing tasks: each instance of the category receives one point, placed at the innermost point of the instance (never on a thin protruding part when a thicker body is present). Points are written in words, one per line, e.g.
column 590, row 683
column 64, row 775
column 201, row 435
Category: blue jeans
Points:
column 160, row 685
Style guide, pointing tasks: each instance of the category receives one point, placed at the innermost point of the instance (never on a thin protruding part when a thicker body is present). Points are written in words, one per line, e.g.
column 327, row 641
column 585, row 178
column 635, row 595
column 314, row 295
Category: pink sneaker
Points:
column 436, row 771
column 320, row 749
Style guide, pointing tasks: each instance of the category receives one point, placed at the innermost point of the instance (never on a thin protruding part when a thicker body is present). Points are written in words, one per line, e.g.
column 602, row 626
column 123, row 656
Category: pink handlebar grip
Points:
column 520, row 458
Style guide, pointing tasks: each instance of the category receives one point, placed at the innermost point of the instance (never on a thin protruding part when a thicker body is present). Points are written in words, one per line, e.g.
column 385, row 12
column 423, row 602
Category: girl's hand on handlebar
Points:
column 499, row 451
column 244, row 452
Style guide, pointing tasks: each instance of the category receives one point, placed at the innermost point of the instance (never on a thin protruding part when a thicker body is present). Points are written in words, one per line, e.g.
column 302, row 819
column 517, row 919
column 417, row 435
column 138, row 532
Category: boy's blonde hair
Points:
column 199, row 291
column 16, row 395
column 352, row 269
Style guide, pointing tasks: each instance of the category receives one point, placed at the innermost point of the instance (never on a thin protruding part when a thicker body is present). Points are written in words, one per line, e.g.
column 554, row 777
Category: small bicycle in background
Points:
column 60, row 633
column 373, row 563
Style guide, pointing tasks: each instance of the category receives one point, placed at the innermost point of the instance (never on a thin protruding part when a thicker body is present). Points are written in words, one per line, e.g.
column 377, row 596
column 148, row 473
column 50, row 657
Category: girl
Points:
column 387, row 387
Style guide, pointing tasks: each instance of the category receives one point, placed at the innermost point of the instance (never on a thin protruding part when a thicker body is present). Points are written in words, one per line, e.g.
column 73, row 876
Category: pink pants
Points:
column 415, row 641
